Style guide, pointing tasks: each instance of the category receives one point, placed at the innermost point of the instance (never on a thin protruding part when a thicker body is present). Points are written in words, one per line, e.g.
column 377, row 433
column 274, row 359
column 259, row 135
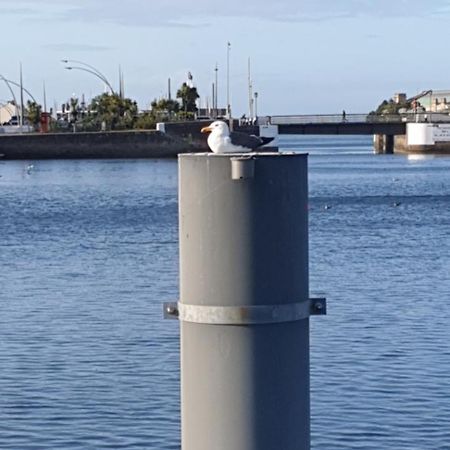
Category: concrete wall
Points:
column 400, row 144
column 428, row 133
column 432, row 138
column 119, row 144
column 189, row 132
column 419, row 134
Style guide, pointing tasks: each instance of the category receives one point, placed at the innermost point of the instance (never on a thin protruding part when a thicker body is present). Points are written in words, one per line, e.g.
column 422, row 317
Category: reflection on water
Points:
column 418, row 157
column 89, row 251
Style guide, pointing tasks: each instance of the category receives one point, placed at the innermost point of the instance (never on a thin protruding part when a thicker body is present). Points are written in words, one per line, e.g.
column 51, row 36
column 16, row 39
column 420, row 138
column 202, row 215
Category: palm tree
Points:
column 114, row 111
column 33, row 113
column 188, row 96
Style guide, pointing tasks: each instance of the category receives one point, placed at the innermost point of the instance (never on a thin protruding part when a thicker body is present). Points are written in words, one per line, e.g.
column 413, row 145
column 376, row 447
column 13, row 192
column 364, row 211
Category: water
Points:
column 89, row 252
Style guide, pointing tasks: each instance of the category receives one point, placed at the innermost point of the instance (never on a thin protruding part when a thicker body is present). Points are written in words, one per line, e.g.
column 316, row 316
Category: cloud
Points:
column 17, row 11
column 66, row 47
column 373, row 36
column 180, row 13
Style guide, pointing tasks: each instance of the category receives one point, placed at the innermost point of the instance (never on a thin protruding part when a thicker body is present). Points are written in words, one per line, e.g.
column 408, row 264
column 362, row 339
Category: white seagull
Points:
column 221, row 140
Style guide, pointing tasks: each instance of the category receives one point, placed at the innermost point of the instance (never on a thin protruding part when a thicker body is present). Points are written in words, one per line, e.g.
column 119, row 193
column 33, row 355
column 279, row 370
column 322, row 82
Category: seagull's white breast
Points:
column 219, row 143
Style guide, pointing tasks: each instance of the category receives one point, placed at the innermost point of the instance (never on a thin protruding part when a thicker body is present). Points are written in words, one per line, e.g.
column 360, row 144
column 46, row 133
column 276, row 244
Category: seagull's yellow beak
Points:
column 206, row 130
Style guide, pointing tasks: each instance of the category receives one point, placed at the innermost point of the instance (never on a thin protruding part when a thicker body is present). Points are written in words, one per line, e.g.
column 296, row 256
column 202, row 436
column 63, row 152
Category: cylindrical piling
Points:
column 244, row 302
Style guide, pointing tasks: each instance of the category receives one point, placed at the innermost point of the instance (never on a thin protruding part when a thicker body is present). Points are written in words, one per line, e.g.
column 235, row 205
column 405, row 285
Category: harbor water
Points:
column 89, row 251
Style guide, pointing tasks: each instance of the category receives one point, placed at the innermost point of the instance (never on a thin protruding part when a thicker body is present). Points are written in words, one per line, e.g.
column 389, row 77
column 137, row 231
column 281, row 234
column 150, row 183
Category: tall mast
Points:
column 45, row 97
column 21, row 99
column 250, row 94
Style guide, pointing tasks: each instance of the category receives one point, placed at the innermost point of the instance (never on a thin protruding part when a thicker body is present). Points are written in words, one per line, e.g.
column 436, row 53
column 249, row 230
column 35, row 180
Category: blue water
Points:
column 89, row 251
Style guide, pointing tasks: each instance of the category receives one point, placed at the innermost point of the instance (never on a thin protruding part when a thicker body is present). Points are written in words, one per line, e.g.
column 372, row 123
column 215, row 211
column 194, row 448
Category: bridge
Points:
column 338, row 124
column 383, row 127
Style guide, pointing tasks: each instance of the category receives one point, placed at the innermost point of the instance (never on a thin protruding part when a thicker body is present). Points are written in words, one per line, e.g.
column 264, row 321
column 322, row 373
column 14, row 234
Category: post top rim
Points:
column 243, row 154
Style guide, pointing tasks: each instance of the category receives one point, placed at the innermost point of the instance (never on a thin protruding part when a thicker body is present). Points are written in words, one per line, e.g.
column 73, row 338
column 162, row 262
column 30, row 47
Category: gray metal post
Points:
column 244, row 306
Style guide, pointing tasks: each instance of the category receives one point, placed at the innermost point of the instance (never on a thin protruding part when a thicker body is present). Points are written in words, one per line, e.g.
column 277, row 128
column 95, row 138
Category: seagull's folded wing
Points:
column 245, row 140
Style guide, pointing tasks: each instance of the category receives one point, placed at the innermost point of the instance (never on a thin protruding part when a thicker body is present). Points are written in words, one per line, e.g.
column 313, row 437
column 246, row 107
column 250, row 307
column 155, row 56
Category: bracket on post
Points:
column 318, row 306
column 170, row 310
column 245, row 315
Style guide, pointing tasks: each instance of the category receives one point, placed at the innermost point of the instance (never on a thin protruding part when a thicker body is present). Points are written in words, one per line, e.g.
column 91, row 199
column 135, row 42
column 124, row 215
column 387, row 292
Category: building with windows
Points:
column 434, row 100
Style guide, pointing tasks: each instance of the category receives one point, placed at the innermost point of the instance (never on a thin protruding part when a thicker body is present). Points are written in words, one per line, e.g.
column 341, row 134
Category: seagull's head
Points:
column 217, row 127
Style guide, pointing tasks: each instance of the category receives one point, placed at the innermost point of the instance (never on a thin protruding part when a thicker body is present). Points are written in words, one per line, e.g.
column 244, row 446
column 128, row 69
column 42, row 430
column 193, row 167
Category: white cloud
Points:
column 181, row 13
column 70, row 47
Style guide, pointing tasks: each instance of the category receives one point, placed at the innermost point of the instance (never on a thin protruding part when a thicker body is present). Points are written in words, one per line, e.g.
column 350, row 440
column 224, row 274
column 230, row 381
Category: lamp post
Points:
column 250, row 94
column 431, row 105
column 21, row 98
column 228, row 81
column 90, row 69
column 14, row 83
column 215, row 102
column 256, row 106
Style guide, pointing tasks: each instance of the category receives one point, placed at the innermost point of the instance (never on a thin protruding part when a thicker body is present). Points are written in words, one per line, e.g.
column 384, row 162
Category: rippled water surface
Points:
column 89, row 251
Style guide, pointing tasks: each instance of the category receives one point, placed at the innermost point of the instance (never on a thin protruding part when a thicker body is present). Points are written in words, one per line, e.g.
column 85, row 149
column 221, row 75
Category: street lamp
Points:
column 18, row 85
column 93, row 73
column 90, row 69
column 431, row 105
column 215, row 102
column 12, row 93
column 228, row 81
column 256, row 106
column 67, row 61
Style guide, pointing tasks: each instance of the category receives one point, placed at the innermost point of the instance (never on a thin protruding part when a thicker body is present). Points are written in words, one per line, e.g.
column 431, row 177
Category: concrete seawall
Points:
column 440, row 148
column 115, row 144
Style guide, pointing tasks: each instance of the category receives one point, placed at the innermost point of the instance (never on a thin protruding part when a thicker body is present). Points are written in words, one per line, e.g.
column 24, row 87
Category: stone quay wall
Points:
column 80, row 145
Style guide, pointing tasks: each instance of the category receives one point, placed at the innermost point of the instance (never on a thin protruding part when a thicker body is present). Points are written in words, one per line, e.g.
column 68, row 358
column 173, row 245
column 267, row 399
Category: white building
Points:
column 8, row 111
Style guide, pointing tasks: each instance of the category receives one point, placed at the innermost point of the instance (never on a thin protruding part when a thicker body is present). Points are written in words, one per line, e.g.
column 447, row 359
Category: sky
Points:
column 306, row 56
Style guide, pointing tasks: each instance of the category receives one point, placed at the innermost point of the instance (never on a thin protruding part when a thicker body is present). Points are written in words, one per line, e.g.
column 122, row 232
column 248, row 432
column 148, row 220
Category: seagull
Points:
column 221, row 140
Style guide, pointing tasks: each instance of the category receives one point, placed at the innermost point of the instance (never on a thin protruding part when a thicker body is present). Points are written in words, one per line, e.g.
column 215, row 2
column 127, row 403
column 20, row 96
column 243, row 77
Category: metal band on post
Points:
column 245, row 315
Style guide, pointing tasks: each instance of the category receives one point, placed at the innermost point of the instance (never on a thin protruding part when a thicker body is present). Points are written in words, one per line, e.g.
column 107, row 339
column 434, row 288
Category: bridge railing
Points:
column 353, row 118
column 333, row 118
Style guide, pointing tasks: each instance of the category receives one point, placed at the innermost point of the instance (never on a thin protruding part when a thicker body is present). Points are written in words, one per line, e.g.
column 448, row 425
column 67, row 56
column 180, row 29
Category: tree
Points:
column 112, row 110
column 165, row 105
column 164, row 109
column 33, row 113
column 188, row 96
column 387, row 108
column 73, row 109
column 145, row 121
